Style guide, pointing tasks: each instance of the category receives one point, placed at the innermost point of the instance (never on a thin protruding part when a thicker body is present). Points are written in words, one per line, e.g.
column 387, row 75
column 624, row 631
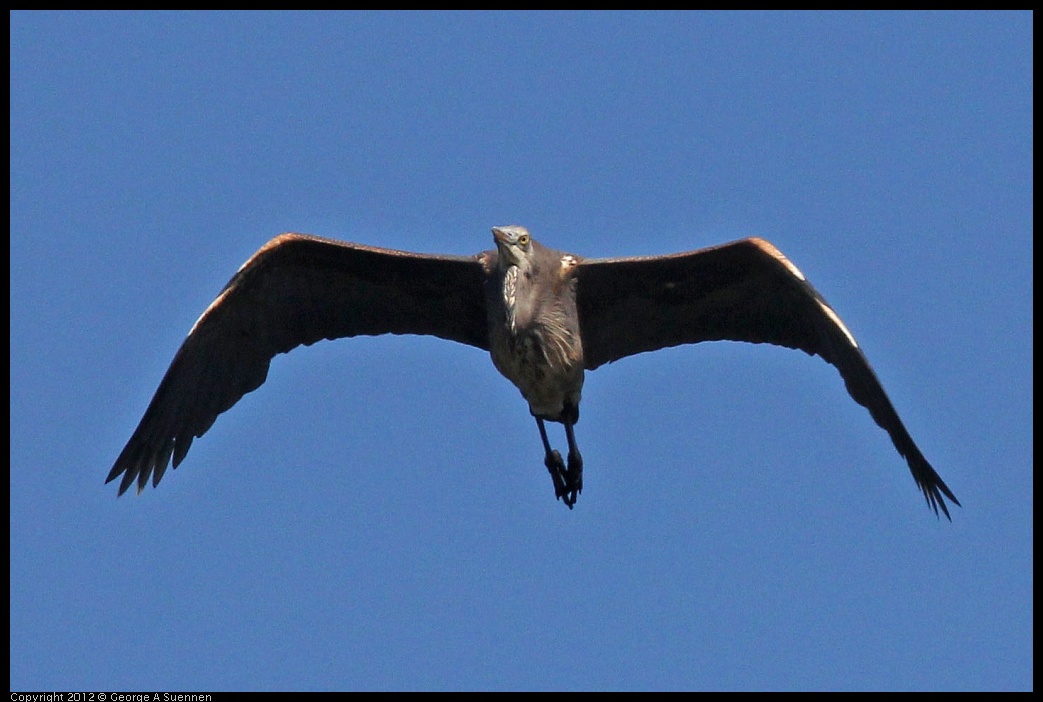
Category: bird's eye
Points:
column 523, row 239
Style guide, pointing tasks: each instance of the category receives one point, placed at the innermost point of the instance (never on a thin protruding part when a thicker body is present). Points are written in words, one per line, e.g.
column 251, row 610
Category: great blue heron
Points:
column 544, row 316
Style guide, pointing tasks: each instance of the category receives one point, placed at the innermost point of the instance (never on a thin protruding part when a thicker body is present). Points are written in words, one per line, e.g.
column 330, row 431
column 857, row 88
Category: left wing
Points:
column 742, row 291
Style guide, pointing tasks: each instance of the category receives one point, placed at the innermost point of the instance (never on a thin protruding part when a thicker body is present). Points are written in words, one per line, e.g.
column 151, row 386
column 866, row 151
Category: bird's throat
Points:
column 510, row 297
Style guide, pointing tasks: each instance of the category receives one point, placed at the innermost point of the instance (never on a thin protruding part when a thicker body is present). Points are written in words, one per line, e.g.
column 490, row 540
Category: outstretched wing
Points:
column 742, row 291
column 297, row 289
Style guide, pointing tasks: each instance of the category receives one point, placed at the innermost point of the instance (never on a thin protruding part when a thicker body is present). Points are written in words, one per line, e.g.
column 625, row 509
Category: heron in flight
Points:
column 544, row 316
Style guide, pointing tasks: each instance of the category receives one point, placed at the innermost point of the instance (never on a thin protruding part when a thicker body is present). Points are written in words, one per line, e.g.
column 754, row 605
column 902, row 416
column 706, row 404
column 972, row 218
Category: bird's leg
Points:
column 556, row 466
column 574, row 474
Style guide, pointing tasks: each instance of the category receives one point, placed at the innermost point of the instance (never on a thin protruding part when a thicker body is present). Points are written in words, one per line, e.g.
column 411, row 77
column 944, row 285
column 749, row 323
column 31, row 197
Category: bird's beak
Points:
column 506, row 239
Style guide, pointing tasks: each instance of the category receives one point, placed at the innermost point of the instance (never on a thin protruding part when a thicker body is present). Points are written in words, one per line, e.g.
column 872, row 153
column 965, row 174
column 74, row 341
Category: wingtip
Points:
column 112, row 476
column 936, row 499
column 945, row 510
column 940, row 485
column 934, row 489
column 122, row 487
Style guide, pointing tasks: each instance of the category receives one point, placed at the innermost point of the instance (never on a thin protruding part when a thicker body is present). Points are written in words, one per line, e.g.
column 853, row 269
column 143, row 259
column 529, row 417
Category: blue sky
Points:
column 377, row 515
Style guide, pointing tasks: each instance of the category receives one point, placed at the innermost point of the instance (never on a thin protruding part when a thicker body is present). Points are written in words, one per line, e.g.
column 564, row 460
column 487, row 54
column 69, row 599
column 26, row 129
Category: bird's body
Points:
column 544, row 316
column 535, row 340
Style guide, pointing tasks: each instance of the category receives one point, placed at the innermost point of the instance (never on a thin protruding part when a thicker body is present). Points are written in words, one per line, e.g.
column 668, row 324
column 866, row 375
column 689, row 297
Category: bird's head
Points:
column 514, row 243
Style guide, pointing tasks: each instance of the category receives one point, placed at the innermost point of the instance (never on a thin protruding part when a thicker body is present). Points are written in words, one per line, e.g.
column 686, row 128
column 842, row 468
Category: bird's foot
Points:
column 559, row 474
column 573, row 478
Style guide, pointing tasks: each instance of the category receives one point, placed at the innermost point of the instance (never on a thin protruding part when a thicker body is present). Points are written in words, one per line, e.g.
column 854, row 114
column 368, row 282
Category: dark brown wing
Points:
column 742, row 291
column 296, row 289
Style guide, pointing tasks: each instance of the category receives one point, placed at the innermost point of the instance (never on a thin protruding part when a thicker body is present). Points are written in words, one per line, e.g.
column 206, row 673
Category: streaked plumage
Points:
column 545, row 316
